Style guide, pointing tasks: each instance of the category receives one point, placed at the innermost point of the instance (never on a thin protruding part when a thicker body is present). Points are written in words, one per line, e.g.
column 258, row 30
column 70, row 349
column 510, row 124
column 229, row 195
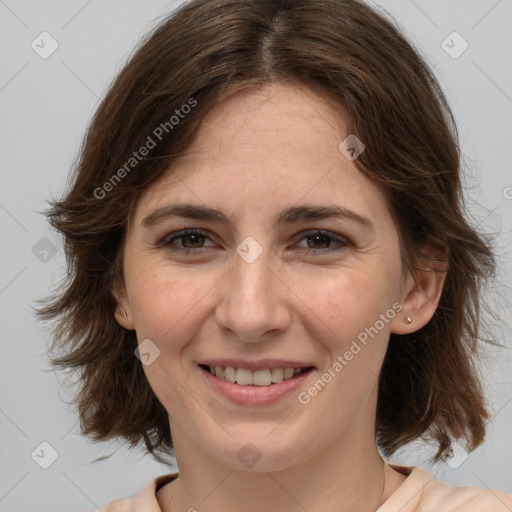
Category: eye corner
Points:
column 340, row 242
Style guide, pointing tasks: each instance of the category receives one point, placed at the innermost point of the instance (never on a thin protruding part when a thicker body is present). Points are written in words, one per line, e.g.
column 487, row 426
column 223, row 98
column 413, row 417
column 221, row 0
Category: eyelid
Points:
column 341, row 241
column 167, row 239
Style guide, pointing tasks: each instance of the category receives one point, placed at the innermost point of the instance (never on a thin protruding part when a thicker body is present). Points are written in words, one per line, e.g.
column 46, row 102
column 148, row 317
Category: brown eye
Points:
column 186, row 240
column 192, row 240
column 320, row 241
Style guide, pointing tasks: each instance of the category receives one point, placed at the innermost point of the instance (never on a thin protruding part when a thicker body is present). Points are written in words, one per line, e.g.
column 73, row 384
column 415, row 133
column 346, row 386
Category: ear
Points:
column 422, row 290
column 122, row 313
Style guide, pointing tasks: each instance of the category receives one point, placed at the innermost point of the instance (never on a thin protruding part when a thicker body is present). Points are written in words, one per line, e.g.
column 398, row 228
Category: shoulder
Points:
column 144, row 501
column 442, row 496
column 421, row 492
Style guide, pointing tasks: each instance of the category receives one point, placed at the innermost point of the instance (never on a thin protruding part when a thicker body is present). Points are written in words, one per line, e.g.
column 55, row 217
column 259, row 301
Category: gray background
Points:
column 46, row 104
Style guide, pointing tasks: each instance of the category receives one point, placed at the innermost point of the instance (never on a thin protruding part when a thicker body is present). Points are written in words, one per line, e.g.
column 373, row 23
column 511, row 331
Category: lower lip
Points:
column 255, row 395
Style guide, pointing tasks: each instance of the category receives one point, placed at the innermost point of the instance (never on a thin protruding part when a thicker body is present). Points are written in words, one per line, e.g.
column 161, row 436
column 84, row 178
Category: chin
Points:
column 260, row 455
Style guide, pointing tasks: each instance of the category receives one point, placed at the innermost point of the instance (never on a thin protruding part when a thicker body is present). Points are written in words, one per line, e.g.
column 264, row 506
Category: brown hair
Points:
column 428, row 383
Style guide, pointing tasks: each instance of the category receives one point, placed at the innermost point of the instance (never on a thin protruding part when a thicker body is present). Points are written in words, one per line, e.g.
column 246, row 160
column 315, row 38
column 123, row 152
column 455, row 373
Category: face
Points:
column 298, row 267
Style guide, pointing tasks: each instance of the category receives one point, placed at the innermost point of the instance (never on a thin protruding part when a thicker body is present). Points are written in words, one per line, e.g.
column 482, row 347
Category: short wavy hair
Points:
column 205, row 50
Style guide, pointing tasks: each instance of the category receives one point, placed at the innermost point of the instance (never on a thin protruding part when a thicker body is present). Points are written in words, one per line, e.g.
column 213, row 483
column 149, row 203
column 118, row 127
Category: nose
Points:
column 252, row 306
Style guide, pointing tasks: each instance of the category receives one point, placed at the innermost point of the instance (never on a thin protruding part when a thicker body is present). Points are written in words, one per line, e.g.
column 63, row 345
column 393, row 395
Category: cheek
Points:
column 347, row 301
column 351, row 320
column 167, row 309
column 163, row 299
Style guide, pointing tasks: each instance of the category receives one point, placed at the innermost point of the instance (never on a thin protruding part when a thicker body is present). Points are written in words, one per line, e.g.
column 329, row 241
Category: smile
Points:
column 258, row 387
column 246, row 377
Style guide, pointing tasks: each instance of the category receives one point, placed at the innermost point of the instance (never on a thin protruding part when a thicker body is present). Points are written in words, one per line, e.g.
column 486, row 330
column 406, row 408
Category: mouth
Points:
column 265, row 377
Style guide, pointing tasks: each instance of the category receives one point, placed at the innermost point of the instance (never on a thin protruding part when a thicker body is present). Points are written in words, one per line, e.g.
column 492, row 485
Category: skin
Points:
column 257, row 153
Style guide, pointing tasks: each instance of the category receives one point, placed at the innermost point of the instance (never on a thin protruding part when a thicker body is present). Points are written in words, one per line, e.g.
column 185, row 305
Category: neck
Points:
column 345, row 477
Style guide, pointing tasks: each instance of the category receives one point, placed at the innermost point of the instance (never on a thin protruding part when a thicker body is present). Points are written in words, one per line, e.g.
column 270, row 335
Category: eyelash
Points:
column 167, row 241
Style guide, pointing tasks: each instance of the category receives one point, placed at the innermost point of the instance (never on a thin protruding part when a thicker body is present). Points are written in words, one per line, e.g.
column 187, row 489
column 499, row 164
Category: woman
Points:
column 269, row 260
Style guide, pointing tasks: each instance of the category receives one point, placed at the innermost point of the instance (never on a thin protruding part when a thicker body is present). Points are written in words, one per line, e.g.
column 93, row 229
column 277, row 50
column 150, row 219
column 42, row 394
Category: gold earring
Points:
column 119, row 302
column 408, row 320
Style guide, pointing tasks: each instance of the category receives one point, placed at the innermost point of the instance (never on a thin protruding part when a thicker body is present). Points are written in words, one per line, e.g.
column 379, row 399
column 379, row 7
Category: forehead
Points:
column 257, row 150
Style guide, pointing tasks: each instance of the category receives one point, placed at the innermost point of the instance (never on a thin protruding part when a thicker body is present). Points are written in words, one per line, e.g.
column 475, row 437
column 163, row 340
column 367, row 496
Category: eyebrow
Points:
column 291, row 215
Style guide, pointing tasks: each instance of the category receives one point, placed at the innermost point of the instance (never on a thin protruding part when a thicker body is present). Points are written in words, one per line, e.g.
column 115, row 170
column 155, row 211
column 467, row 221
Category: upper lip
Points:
column 261, row 364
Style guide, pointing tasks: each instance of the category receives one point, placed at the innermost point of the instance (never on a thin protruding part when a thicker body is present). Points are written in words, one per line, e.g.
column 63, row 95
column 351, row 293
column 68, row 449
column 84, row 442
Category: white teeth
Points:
column 289, row 373
column 277, row 374
column 261, row 378
column 245, row 377
column 229, row 374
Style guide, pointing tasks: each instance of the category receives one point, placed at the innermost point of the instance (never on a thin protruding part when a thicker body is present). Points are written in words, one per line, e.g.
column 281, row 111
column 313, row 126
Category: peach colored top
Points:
column 418, row 493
